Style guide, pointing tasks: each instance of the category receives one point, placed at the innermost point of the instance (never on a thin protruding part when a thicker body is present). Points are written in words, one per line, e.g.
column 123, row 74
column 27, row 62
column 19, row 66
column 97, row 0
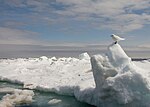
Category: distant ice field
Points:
column 26, row 51
column 71, row 53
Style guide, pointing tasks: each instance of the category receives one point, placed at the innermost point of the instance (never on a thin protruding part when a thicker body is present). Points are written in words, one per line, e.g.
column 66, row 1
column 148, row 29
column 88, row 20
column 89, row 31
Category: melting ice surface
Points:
column 110, row 80
column 40, row 98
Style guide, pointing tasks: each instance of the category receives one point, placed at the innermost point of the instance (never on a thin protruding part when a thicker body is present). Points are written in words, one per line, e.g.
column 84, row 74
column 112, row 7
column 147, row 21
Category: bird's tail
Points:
column 122, row 38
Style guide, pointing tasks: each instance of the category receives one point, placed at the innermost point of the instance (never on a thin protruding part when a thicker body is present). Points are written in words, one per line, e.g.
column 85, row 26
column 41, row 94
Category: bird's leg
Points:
column 115, row 42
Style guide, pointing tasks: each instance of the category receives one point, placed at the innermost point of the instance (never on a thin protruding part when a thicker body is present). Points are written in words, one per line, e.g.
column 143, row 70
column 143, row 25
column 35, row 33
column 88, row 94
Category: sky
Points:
column 74, row 22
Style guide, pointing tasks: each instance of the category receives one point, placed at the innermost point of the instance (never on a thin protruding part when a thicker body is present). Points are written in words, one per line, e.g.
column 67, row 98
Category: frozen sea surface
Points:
column 123, row 81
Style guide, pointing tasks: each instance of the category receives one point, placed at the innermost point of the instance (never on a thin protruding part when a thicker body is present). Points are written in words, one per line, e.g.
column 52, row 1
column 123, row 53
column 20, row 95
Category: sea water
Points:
column 41, row 99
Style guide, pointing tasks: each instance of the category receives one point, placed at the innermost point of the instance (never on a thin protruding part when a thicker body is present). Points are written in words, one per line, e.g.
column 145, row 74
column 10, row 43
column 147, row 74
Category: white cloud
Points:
column 118, row 15
column 11, row 36
column 16, row 36
column 38, row 6
column 145, row 45
column 14, row 3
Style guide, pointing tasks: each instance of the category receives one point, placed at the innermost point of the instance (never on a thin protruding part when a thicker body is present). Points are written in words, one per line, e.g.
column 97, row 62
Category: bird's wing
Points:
column 119, row 38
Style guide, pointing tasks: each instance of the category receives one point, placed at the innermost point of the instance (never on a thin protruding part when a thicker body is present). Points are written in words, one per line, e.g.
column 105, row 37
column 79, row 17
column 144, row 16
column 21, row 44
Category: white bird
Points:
column 116, row 38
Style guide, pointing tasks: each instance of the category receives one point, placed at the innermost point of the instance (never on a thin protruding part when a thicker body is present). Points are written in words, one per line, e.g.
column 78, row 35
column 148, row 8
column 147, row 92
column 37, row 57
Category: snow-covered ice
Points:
column 17, row 97
column 6, row 90
column 60, row 75
column 54, row 101
column 84, row 56
column 115, row 79
column 118, row 80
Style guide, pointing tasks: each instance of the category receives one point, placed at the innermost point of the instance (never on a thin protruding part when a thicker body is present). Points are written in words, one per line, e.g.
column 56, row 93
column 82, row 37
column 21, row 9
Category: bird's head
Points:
column 112, row 35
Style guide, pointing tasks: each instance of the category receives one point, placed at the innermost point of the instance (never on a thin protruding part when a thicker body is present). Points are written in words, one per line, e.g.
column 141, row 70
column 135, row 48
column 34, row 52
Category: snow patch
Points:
column 6, row 90
column 54, row 101
column 43, row 58
column 29, row 86
column 84, row 56
column 16, row 98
